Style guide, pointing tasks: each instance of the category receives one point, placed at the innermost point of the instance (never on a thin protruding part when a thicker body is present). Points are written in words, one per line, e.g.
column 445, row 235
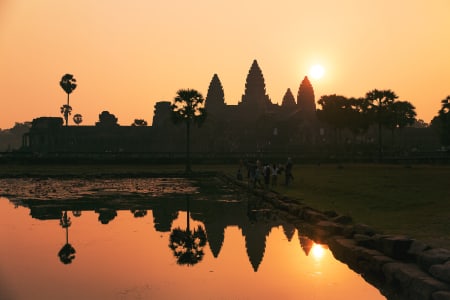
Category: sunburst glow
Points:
column 317, row 71
column 317, row 251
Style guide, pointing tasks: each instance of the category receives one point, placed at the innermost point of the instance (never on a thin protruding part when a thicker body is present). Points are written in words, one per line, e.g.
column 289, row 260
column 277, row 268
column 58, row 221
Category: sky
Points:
column 128, row 55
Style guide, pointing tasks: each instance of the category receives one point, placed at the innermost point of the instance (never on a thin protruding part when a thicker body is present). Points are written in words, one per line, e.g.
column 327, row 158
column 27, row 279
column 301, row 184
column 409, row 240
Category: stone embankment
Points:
column 399, row 266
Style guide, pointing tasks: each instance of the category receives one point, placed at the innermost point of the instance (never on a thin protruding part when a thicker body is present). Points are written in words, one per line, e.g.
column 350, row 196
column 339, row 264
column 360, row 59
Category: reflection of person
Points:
column 288, row 172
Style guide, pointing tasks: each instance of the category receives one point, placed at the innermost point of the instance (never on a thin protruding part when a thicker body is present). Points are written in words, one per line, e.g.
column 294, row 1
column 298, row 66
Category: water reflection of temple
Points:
column 249, row 215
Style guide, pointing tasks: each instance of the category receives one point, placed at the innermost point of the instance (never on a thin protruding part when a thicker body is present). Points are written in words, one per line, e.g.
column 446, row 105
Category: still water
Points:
column 158, row 239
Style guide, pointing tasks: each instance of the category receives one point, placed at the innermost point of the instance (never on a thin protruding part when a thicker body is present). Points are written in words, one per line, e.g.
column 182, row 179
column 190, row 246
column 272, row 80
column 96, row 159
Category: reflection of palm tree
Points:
column 187, row 245
column 65, row 221
column 139, row 213
column 67, row 252
column 106, row 214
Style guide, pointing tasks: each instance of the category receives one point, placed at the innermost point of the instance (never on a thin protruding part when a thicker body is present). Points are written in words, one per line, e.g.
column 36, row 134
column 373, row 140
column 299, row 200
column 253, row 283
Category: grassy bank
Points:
column 395, row 199
column 413, row 201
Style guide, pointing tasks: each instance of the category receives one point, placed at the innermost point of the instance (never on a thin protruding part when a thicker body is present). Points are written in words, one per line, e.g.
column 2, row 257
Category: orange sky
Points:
column 127, row 55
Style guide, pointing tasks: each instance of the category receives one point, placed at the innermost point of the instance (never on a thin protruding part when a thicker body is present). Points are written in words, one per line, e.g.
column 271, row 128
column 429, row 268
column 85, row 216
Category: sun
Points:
column 316, row 71
column 317, row 251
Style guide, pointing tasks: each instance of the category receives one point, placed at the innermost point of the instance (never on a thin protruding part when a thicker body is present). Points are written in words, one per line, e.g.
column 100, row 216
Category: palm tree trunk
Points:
column 188, row 213
column 380, row 143
column 67, row 115
column 188, row 147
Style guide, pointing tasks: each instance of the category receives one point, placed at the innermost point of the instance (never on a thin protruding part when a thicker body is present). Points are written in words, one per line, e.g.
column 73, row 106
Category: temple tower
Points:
column 161, row 114
column 255, row 98
column 305, row 99
column 288, row 100
column 215, row 99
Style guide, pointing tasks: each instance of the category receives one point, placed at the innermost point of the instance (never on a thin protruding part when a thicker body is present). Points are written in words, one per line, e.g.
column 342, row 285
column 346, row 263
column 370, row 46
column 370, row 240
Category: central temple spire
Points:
column 255, row 95
column 305, row 99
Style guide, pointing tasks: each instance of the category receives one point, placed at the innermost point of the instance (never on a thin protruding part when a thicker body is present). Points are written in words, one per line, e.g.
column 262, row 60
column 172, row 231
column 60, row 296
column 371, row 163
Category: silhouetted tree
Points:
column 106, row 119
column 357, row 118
column 77, row 119
column 442, row 122
column 399, row 115
column 188, row 108
column 68, row 84
column 139, row 122
column 333, row 112
column 66, row 111
column 12, row 138
column 379, row 102
column 187, row 245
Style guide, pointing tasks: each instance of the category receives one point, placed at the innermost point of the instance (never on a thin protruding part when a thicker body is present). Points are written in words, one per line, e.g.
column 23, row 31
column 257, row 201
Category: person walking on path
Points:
column 288, row 172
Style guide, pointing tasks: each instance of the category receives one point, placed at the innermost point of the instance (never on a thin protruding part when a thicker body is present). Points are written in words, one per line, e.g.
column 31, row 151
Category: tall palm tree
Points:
column 68, row 84
column 188, row 107
column 379, row 102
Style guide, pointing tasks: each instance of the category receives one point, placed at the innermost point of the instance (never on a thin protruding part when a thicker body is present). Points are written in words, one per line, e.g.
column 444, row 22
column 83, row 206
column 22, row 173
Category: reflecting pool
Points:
column 158, row 239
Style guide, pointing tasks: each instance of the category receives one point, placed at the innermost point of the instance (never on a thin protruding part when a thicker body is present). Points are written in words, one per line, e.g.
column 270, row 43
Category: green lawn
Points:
column 413, row 201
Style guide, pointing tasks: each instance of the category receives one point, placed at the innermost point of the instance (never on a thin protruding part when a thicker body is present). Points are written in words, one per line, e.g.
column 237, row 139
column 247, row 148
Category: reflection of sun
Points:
column 317, row 71
column 317, row 251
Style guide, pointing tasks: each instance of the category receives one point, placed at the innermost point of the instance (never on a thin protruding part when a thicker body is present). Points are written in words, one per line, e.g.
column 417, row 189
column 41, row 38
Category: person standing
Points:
column 288, row 172
column 274, row 170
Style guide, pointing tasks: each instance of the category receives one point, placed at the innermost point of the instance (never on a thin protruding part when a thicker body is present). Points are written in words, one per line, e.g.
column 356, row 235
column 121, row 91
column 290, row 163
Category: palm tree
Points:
column 187, row 245
column 78, row 119
column 443, row 122
column 66, row 110
column 188, row 107
column 139, row 122
column 68, row 85
column 379, row 102
column 400, row 115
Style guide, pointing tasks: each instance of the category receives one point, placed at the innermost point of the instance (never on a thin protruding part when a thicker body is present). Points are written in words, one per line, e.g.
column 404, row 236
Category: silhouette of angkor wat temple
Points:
column 253, row 127
column 255, row 124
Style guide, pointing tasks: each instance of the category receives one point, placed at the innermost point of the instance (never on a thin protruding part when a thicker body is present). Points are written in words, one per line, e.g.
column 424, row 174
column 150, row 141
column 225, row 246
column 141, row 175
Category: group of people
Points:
column 264, row 175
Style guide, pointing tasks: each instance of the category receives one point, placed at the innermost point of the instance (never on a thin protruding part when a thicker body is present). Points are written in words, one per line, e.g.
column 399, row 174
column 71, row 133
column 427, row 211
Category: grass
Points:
column 394, row 199
column 413, row 201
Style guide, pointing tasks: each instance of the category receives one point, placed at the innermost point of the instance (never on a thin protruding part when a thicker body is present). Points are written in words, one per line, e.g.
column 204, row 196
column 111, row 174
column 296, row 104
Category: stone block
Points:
column 396, row 246
column 364, row 240
column 441, row 295
column 416, row 248
column 425, row 287
column 432, row 256
column 411, row 281
column 341, row 219
column 313, row 216
column 363, row 229
column 441, row 271
column 331, row 227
